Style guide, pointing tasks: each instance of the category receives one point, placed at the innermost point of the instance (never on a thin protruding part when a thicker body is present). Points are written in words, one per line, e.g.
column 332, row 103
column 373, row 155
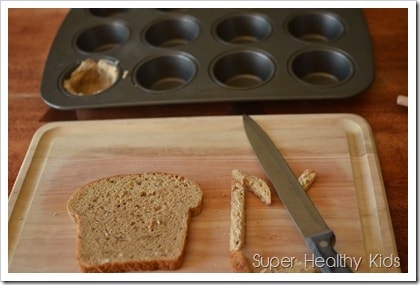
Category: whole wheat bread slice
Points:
column 133, row 222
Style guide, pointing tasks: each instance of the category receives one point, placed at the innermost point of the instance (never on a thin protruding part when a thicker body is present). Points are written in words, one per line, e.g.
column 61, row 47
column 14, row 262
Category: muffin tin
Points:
column 166, row 56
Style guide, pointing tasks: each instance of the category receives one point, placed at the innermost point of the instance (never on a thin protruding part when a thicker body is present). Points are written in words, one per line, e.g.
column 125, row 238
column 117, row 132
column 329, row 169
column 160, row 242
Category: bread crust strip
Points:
column 260, row 188
column 307, row 178
column 237, row 216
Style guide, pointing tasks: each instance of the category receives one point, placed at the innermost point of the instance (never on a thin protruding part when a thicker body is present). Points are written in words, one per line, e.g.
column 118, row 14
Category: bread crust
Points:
column 237, row 216
column 259, row 187
column 239, row 262
column 254, row 184
column 307, row 178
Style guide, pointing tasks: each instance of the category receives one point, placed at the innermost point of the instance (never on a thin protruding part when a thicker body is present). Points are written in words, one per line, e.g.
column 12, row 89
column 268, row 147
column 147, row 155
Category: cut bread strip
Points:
column 307, row 178
column 259, row 187
column 237, row 216
column 254, row 184
column 239, row 183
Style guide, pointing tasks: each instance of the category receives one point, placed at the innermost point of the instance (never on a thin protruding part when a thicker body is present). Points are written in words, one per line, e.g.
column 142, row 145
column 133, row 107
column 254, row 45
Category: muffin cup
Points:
column 322, row 67
column 102, row 38
column 242, row 69
column 172, row 32
column 316, row 27
column 164, row 73
column 243, row 28
column 90, row 77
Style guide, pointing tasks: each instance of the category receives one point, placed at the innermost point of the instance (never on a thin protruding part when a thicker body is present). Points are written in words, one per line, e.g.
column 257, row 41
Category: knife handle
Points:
column 325, row 255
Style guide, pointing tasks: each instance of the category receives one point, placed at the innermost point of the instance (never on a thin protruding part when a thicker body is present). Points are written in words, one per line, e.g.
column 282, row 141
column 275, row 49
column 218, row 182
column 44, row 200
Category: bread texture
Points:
column 240, row 182
column 259, row 187
column 254, row 184
column 133, row 222
column 307, row 178
column 237, row 215
column 91, row 77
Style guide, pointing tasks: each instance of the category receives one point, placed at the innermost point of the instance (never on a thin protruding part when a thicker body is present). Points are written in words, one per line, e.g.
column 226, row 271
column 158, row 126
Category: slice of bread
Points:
column 133, row 222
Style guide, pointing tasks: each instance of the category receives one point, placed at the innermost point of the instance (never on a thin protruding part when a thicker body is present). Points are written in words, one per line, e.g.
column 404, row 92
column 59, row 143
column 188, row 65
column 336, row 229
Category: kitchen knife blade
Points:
column 316, row 233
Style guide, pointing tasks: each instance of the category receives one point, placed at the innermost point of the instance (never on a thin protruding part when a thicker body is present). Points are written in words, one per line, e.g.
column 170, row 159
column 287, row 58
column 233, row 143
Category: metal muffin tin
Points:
column 169, row 56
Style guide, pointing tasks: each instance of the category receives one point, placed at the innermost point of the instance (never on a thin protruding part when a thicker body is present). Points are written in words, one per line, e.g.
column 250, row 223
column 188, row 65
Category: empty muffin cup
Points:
column 91, row 77
column 243, row 28
column 172, row 32
column 165, row 72
column 103, row 37
column 322, row 67
column 316, row 27
column 243, row 69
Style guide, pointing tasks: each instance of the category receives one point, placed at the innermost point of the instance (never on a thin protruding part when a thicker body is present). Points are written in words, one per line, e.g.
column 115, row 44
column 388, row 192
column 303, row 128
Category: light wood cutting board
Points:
column 348, row 192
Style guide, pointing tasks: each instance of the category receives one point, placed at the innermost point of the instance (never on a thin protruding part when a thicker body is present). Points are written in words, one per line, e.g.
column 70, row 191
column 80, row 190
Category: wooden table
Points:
column 32, row 31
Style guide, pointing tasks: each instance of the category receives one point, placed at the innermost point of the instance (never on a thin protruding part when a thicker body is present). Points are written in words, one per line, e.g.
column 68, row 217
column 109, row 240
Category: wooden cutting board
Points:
column 348, row 192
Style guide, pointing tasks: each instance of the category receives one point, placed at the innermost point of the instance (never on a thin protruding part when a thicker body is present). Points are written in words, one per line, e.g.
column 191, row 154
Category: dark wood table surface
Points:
column 32, row 31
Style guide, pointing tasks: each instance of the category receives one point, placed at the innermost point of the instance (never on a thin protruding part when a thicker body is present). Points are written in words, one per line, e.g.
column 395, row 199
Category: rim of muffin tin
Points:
column 292, row 25
column 107, row 12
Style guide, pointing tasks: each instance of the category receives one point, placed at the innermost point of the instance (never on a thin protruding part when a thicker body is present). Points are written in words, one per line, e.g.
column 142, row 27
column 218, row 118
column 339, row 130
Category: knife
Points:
column 316, row 233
